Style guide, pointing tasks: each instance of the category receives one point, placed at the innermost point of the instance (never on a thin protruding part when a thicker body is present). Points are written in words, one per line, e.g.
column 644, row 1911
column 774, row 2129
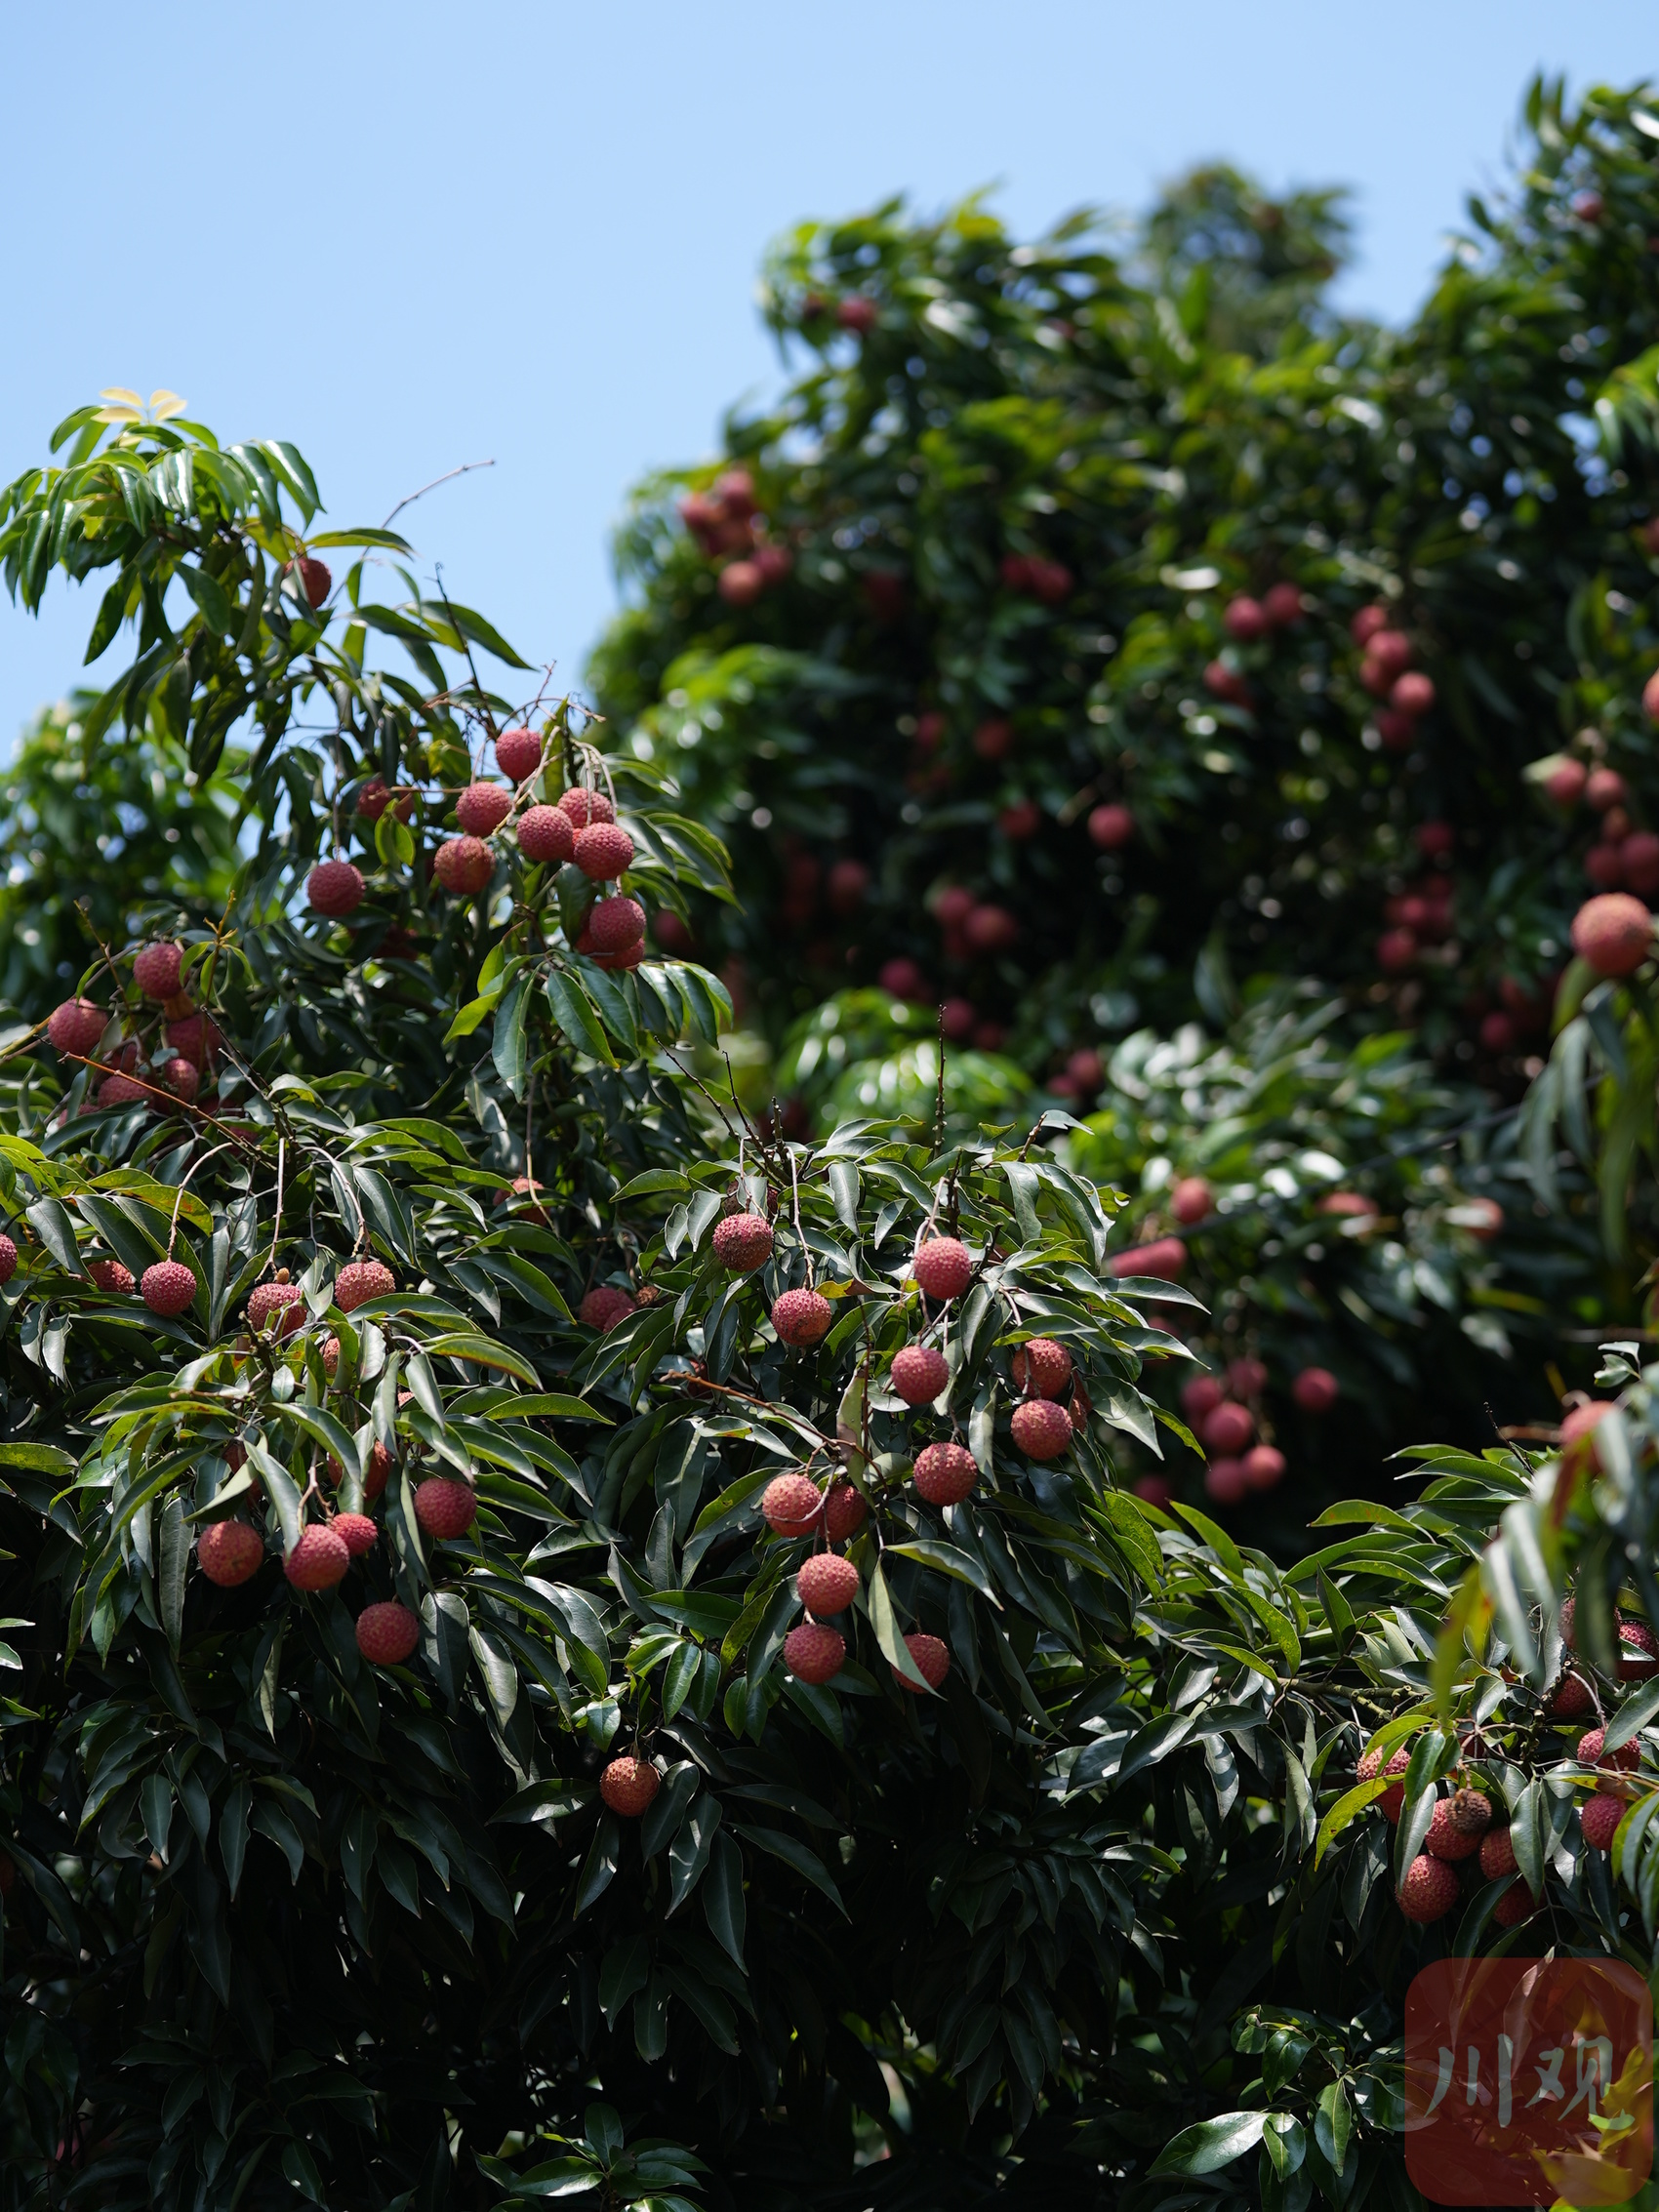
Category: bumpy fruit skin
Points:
column 919, row 1373
column 444, row 1507
column 331, row 1357
column 1389, row 1802
column 122, row 1090
column 519, row 755
column 545, row 834
column 1316, row 1389
column 276, row 1308
column 945, row 1473
column 156, row 970
column 628, row 1785
column 826, row 1584
column 230, row 1553
column 1626, row 1758
column 1497, row 1854
column 943, row 1267
column 844, row 1512
column 319, row 1560
column 314, row 579
column 9, row 1262
column 168, row 1287
column 585, row 807
column 359, row 1280
column 1599, row 1816
column 482, row 808
column 1042, row 1367
column 932, row 1662
column 743, row 1242
column 814, row 1653
column 333, row 888
column 182, row 1079
column 604, row 1306
column 356, row 1531
column 1572, row 1700
column 791, row 1505
column 1516, row 1903
column 387, row 1633
column 1614, row 933
column 1041, row 1428
column 1471, row 1812
column 1445, row 1839
column 615, row 924
column 76, row 1025
column 1229, row 1429
column 1638, row 1652
column 802, row 1319
column 1429, row 1891
column 110, row 1275
column 195, row 1038
column 603, row 849
column 375, row 1478
column 463, row 864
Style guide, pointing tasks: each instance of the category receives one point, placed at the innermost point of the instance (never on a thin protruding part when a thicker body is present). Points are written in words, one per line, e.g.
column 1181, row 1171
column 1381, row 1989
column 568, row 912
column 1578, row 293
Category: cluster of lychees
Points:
column 729, row 527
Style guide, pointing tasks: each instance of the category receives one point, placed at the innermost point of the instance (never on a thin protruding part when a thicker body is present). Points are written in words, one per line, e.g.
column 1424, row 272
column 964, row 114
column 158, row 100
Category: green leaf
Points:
column 510, row 1042
column 945, row 1557
column 885, row 1622
column 577, row 1016
column 50, row 1223
column 723, row 1904
column 805, row 1863
column 1211, row 2144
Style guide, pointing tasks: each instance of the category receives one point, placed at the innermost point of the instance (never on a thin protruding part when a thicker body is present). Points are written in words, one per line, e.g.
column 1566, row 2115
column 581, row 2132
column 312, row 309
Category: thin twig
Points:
column 447, row 475
column 276, row 1226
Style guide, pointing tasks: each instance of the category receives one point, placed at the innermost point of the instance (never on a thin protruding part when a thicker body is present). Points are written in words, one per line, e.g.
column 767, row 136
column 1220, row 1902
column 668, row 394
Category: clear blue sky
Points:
column 407, row 236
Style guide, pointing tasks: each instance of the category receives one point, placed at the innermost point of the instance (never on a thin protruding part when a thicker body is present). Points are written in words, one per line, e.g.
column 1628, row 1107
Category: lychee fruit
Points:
column 482, row 808
column 1229, row 1429
column 826, row 1584
column 1470, row 1812
column 1164, row 1258
column 857, row 313
column 1390, row 1803
column 743, row 1242
column 375, row 1478
column 603, row 849
column 1200, row 1398
column 1192, row 1200
column 844, row 1512
column 1613, row 933
column 1227, row 684
column 375, row 797
column 331, row 1357
column 1429, row 1891
column 193, row 1038
column 1041, row 1428
column 1412, row 693
column 990, row 929
column 1247, row 1378
column 319, row 1560
column 1598, row 1816
column 1283, row 606
column 168, row 1287
column 182, row 1079
column 604, row 1306
column 943, row 1267
column 1316, row 1389
column 76, row 1025
column 519, row 755
column 903, row 978
column 1263, row 1465
column 277, row 1307
column 613, row 924
column 1638, row 1652
column 1572, row 1699
column 1578, row 1426
column 791, row 1505
column 1365, row 625
column 958, row 1018
column 1497, row 1854
column 387, row 1633
column 584, row 806
column 122, row 1090
column 1155, row 1491
column 109, row 1275
column 229, row 1551
column 333, row 888
column 1111, row 827
column 813, row 1653
column 931, row 1659
column 848, row 886
column 628, row 1784
column 1566, row 781
column 1445, row 1839
column 802, row 1318
column 463, row 864
column 545, row 834
column 1224, row 1481
column 1626, row 1757
column 1516, row 1903
column 740, row 582
column 156, row 970
column 445, row 1506
column 919, row 1373
column 1042, row 1367
column 1021, row 821
column 358, row 1281
column 314, row 579
column 356, row 1531
column 1639, row 853
column 1244, row 618
column 9, row 1261
column 945, row 1473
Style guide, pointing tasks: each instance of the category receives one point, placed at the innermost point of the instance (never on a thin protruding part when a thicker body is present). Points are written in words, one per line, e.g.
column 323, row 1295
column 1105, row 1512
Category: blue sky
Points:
column 408, row 236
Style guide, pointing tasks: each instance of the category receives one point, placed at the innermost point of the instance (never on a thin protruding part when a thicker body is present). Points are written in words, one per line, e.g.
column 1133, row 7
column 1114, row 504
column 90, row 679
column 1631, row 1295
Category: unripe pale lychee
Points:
column 603, row 849
column 802, row 1318
column 613, row 924
column 156, row 970
column 463, row 864
column 1111, row 827
column 519, row 755
column 319, row 1560
column 229, row 1551
column 1229, row 1429
column 791, row 1505
column 604, row 1306
column 482, row 808
column 1516, row 1903
column 1445, row 1839
column 76, row 1025
column 112, row 1275
column 545, row 834
column 333, row 888
column 826, row 1584
column 1590, row 1752
column 919, row 1373
column 931, row 1660
column 1042, row 1367
column 387, row 1633
column 1429, row 1891
column 945, row 1473
column 1614, row 933
column 356, row 1531
column 1497, row 1854
column 277, row 1307
column 1192, row 1200
column 628, row 1784
column 1316, row 1389
column 813, row 1653
column 944, row 1266
column 1598, row 1816
column 585, row 807
column 445, row 1506
column 1041, row 1428
column 743, row 1242
column 168, row 1287
column 844, row 1512
column 1262, row 1467
column 358, row 1281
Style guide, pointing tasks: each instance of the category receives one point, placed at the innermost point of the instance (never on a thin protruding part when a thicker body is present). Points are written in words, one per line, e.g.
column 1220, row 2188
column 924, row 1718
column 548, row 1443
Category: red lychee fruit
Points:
column 1192, row 1200
column 1389, row 1804
column 826, row 1584
column 603, row 849
column 1599, row 1815
column 919, row 1373
column 958, row 1018
column 993, row 740
column 1247, row 1378
column 1412, row 693
column 1041, row 1428
column 375, row 1478
column 931, row 1660
column 1497, row 1854
column 1367, row 624
column 844, row 1512
column 857, row 313
column 1389, row 651
column 1084, row 1073
column 604, row 1306
column 990, row 929
column 1604, row 865
column 277, row 1307
column 1470, row 1812
column 464, row 866
column 1627, row 1758
column 1445, row 1839
column 1042, row 1367
column 1516, row 1903
column 802, row 1318
column 1435, row 840
column 848, row 886
column 387, row 1633
column 740, row 582
column 333, row 888
column 1588, row 207
column 1639, row 853
column 813, row 1653
column 356, row 1531
column 194, row 1038
column 1572, row 1700
column 1316, row 1389
column 1578, row 1426
column 945, row 1473
column 122, row 1090
column 1638, row 1652
column 1566, row 781
column 1244, row 618
column 1349, row 1204
column 1614, row 934
column 156, row 970
column 1165, row 1258
column 519, row 755
column 903, row 978
column 1283, row 606
column 314, row 579
column 168, row 1287
column 628, row 1784
column 1021, row 821
column 672, row 933
column 1262, row 1467
column 331, row 1357
column 944, row 1266
column 76, row 1025
column 1224, row 1481
column 613, row 924
column 445, row 1508
column 545, row 834
column 358, row 1281
column 229, row 1551
column 374, row 798
column 1396, row 949
column 1155, row 1491
column 1227, row 684
column 1111, row 827
column 319, row 1560
column 743, row 1242
column 1229, row 1429
column 1199, row 1397
column 109, row 1275
column 182, row 1079
column 1605, row 787
column 791, row 1505
column 1429, row 1891
column 482, row 808
column 584, row 806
